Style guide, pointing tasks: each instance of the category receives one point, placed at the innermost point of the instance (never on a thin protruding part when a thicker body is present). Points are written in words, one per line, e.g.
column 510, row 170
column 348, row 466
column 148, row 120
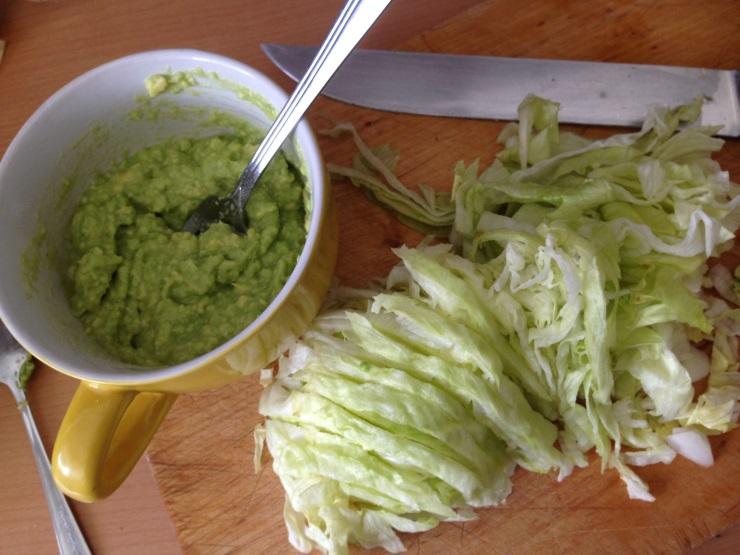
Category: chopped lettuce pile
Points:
column 564, row 312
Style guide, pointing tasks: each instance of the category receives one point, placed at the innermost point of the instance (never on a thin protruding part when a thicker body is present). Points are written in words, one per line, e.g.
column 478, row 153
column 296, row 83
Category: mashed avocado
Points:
column 152, row 295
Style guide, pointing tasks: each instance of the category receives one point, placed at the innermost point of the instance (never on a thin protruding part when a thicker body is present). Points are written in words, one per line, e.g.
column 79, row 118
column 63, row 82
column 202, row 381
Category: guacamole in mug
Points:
column 153, row 295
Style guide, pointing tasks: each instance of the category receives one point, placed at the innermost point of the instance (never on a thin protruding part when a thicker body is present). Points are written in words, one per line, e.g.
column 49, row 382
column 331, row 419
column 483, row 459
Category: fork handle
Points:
column 353, row 22
column 69, row 537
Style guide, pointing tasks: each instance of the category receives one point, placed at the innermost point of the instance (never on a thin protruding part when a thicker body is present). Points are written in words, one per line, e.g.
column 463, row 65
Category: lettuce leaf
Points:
column 562, row 312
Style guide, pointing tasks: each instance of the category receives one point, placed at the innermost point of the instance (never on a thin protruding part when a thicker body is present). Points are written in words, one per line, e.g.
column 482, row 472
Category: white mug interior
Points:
column 82, row 129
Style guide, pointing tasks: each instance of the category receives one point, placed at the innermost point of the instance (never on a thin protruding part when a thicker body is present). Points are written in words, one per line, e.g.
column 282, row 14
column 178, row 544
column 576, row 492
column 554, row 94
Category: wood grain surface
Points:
column 202, row 455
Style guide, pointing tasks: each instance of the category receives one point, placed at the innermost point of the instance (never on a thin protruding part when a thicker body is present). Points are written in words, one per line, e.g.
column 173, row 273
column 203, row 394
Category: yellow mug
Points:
column 118, row 407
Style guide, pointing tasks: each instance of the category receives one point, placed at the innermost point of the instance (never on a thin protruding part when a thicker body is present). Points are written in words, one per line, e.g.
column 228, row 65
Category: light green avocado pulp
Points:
column 152, row 295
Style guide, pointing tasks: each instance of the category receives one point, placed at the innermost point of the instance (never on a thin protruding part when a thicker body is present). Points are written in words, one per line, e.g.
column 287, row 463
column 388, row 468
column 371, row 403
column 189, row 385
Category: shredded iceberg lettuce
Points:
column 562, row 313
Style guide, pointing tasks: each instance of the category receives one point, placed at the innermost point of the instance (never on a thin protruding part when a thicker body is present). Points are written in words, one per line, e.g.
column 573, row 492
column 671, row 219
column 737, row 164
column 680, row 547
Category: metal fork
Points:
column 69, row 537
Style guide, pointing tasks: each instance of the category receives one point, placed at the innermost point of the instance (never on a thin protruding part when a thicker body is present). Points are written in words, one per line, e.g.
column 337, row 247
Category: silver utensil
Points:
column 351, row 25
column 69, row 537
column 489, row 87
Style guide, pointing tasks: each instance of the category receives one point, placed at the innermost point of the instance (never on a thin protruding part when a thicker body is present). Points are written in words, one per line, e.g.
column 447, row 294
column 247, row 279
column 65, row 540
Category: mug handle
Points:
column 103, row 435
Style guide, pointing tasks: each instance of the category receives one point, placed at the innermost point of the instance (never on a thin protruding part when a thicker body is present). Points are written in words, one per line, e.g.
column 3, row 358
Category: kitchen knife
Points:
column 488, row 87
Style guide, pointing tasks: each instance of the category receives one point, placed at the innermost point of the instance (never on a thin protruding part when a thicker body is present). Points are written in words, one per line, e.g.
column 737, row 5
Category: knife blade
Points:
column 488, row 87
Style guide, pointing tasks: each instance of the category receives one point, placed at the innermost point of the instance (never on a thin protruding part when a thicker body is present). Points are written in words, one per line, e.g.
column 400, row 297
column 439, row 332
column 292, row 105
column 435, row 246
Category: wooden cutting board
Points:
column 202, row 456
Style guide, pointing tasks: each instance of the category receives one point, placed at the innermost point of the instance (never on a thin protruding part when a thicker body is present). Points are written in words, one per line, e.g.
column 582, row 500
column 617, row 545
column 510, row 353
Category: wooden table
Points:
column 50, row 43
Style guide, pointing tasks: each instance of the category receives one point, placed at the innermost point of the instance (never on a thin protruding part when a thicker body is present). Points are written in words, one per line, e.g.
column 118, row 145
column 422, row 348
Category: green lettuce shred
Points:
column 427, row 210
column 561, row 313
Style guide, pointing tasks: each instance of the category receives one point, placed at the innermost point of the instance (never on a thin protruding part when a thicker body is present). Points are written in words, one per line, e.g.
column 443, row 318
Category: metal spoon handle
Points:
column 69, row 537
column 351, row 25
